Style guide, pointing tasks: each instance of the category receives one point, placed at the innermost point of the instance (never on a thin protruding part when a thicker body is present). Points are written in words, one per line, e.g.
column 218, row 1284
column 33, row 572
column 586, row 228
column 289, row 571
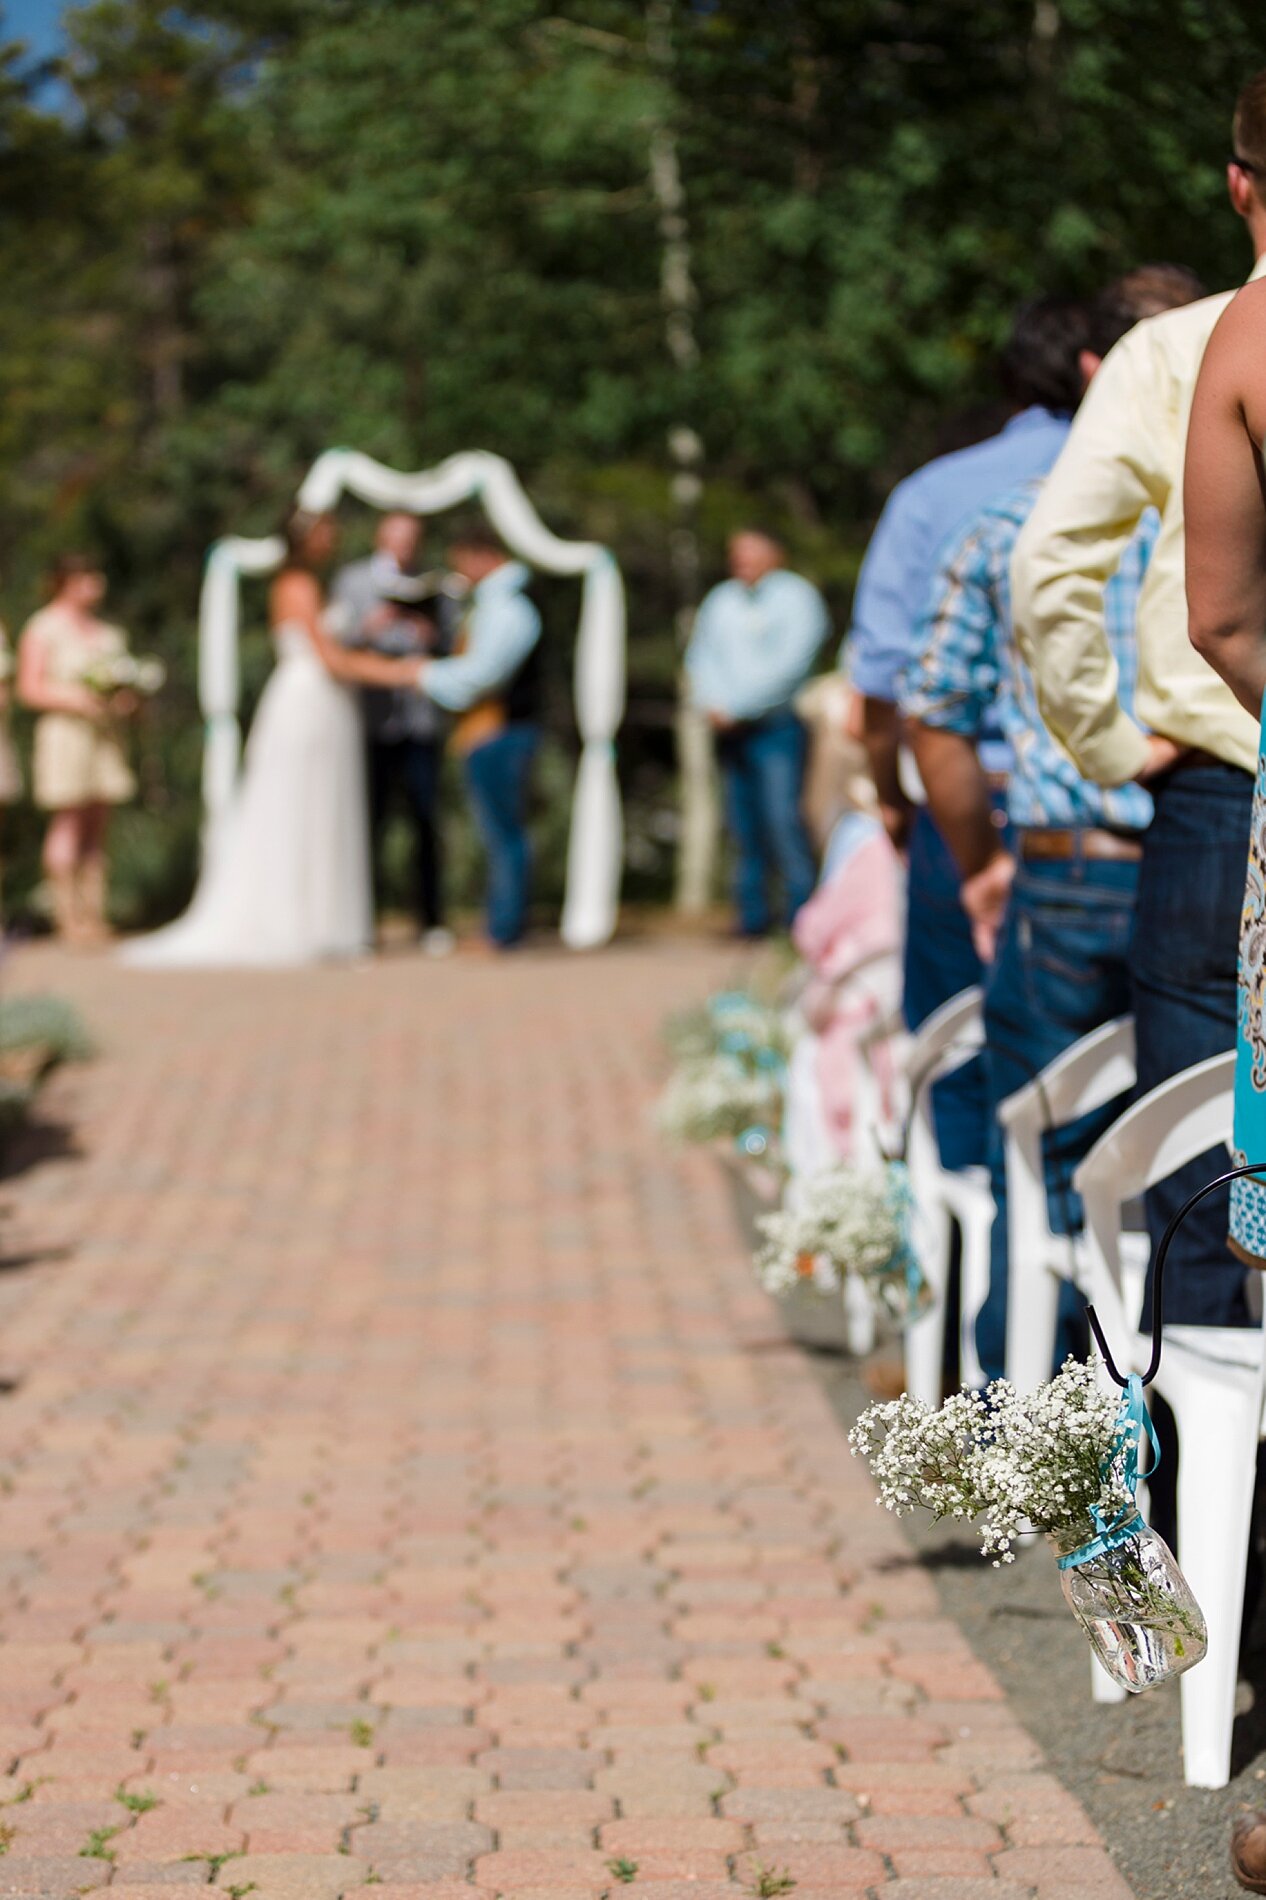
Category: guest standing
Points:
column 1052, row 914
column 1226, row 594
column 1041, row 378
column 1188, row 740
column 404, row 731
column 492, row 683
column 755, row 639
column 80, row 770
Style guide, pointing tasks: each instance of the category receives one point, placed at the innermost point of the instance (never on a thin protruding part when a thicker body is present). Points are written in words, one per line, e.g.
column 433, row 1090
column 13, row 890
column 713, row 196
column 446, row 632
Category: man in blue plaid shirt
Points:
column 1051, row 912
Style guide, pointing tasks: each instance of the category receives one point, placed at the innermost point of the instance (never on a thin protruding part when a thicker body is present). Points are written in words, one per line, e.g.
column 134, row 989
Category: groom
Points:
column 404, row 733
column 491, row 684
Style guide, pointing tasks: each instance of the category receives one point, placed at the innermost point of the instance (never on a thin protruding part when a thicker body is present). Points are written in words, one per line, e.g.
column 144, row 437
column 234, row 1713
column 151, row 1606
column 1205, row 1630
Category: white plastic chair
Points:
column 1210, row 1376
column 945, row 1199
column 1085, row 1077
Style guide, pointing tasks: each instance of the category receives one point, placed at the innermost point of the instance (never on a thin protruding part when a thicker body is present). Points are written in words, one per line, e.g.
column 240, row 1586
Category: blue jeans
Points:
column 497, row 781
column 1061, row 970
column 1182, row 962
column 762, row 769
column 940, row 960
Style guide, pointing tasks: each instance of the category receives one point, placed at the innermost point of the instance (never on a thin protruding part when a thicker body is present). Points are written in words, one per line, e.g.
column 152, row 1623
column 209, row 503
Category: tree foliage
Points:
column 235, row 232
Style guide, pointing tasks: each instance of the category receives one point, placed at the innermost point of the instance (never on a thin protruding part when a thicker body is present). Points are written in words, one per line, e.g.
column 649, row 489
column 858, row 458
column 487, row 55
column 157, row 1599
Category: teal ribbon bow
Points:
column 1132, row 1422
column 904, row 1258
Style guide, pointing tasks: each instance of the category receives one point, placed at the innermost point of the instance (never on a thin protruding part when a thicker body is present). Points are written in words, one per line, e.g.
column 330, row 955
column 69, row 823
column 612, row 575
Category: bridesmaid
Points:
column 80, row 771
column 1225, row 504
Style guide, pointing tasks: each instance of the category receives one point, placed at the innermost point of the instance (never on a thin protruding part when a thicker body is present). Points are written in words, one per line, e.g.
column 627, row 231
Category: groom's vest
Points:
column 517, row 701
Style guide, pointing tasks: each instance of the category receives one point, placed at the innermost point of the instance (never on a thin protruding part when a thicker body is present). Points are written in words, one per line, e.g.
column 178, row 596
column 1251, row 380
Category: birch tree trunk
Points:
column 697, row 845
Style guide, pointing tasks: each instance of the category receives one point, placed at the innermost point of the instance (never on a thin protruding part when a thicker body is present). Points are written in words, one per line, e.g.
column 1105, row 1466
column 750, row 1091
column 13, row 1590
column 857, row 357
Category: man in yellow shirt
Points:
column 1194, row 745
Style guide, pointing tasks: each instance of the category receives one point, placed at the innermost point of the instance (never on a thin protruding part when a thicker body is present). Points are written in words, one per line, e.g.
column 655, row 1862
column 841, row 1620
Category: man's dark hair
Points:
column 1144, row 292
column 476, row 535
column 1248, row 131
column 1039, row 362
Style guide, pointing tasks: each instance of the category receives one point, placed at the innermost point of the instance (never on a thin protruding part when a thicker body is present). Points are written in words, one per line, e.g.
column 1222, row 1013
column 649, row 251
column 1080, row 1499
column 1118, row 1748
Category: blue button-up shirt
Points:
column 502, row 627
column 970, row 675
column 922, row 514
column 753, row 648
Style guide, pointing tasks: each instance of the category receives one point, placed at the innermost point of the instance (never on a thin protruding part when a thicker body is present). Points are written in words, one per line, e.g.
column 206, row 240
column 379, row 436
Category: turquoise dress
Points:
column 1248, row 1197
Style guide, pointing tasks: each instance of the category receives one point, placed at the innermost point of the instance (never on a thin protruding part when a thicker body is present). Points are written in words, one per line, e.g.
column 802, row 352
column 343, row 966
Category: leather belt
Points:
column 1194, row 755
column 1064, row 847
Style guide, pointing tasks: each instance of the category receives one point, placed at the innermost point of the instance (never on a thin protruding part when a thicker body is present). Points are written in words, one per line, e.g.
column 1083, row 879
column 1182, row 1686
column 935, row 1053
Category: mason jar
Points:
column 1134, row 1604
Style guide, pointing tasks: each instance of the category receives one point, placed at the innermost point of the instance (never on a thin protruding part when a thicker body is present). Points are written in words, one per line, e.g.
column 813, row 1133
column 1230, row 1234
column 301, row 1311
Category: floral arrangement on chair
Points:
column 730, row 1075
column 1062, row 1460
column 850, row 1221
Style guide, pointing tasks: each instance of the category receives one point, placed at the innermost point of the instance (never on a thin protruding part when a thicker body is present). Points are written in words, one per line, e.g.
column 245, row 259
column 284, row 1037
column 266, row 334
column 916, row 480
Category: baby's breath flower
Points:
column 1012, row 1460
column 849, row 1220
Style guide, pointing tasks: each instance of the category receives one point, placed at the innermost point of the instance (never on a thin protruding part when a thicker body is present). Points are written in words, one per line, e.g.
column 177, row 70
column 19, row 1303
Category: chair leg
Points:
column 973, row 1291
column 1103, row 1687
column 859, row 1318
column 1217, row 1431
column 925, row 1336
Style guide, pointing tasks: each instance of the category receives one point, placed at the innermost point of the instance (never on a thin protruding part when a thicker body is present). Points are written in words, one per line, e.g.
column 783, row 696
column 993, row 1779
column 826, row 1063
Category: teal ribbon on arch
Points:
column 1133, row 1421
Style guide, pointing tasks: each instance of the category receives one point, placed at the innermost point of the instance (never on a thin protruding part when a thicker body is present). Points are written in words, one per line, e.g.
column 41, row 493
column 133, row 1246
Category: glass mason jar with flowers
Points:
column 1062, row 1460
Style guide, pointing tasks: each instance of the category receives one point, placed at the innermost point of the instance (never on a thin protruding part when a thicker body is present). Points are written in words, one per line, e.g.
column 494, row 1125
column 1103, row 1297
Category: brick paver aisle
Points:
column 406, row 1487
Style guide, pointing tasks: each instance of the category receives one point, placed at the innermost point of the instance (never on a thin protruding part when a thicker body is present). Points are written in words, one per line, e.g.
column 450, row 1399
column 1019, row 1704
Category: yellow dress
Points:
column 77, row 762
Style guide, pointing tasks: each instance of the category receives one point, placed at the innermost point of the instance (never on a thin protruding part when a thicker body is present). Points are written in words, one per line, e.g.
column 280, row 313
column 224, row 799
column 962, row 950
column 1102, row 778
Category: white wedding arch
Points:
column 595, row 845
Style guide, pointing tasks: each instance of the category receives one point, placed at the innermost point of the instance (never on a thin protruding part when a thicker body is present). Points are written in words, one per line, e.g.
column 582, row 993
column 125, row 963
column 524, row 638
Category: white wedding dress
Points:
column 288, row 881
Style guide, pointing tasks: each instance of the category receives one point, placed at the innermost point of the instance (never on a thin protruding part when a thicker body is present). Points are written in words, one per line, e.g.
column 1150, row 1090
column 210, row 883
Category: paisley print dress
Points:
column 1248, row 1197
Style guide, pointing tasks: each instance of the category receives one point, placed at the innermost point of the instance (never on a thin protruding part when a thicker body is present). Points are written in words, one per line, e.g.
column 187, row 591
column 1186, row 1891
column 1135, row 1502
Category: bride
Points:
column 288, row 881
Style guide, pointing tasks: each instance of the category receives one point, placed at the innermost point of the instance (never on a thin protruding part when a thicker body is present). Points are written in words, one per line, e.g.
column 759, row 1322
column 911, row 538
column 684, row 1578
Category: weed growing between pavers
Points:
column 768, row 1882
column 138, row 1803
column 97, row 1847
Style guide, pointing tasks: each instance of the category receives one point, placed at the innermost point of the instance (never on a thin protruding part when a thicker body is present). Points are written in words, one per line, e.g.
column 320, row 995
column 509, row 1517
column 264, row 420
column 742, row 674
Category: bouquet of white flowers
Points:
column 1062, row 1460
column 124, row 672
column 851, row 1221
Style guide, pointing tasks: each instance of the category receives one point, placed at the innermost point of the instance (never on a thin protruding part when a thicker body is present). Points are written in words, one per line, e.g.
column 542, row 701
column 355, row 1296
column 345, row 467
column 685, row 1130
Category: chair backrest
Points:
column 1088, row 1076
column 950, row 1037
column 1171, row 1126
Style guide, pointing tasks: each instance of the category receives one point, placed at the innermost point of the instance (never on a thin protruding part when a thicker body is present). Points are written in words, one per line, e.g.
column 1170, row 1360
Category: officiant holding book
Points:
column 383, row 605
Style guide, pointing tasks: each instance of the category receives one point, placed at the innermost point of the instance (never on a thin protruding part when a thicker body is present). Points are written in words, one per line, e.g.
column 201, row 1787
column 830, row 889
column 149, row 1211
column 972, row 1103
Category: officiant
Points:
column 384, row 605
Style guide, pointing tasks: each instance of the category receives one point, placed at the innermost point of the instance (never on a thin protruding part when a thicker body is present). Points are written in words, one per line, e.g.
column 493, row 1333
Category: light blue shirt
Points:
column 922, row 514
column 502, row 627
column 753, row 648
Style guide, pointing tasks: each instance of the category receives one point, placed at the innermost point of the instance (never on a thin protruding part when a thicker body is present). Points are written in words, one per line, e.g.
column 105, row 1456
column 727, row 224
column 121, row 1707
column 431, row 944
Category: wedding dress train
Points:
column 288, row 880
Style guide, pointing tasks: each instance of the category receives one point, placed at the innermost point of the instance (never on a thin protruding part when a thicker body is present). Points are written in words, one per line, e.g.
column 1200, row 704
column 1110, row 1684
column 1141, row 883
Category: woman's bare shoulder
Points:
column 295, row 592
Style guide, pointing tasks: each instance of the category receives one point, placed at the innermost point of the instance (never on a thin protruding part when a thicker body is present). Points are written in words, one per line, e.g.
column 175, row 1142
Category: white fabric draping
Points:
column 595, row 846
column 219, row 675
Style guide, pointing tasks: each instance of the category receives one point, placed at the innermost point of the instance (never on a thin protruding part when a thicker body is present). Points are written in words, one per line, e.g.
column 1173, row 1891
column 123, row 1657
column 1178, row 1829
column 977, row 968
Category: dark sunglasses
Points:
column 1243, row 164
